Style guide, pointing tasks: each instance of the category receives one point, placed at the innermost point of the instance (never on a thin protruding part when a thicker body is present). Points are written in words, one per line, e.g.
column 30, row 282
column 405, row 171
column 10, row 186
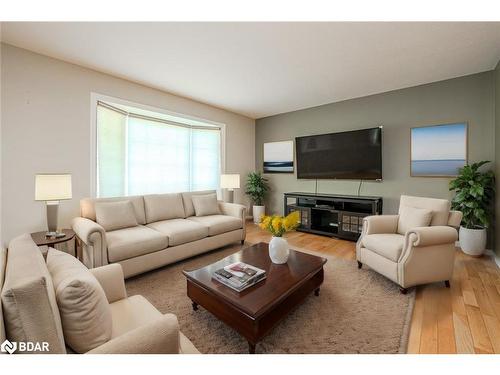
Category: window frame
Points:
column 177, row 117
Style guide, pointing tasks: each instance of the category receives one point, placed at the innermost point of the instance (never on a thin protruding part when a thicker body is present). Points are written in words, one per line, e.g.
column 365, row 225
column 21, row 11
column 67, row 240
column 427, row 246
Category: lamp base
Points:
column 55, row 234
column 230, row 196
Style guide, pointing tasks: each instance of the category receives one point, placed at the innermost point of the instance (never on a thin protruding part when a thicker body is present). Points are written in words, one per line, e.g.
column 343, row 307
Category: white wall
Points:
column 46, row 128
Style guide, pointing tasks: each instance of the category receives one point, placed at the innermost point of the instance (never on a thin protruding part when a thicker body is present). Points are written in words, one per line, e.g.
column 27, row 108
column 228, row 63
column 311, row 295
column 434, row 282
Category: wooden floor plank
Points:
column 416, row 324
column 429, row 334
column 463, row 337
column 493, row 327
column 446, row 337
column 478, row 330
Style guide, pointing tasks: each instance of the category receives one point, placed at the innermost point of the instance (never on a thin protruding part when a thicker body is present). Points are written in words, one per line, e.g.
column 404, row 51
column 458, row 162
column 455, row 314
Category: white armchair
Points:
column 415, row 247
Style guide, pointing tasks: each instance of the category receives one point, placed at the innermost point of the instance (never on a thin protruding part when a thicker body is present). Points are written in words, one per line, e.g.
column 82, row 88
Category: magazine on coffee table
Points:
column 239, row 276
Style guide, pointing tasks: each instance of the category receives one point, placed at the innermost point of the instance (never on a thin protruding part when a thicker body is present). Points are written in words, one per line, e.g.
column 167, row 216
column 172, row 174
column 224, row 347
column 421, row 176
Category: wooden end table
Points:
column 41, row 239
column 256, row 310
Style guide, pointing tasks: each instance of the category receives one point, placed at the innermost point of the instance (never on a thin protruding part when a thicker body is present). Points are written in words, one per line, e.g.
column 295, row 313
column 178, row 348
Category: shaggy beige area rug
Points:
column 358, row 311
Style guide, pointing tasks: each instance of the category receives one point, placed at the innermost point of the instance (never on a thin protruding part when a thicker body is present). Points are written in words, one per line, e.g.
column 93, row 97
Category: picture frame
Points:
column 278, row 157
column 438, row 150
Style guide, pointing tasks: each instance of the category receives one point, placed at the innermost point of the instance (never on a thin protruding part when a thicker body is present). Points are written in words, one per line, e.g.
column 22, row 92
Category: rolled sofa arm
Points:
column 93, row 237
column 233, row 209
column 112, row 281
column 429, row 236
column 161, row 336
column 378, row 224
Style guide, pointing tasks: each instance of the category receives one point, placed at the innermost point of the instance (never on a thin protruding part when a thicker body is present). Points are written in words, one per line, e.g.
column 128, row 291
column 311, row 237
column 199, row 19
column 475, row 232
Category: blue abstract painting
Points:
column 438, row 150
column 278, row 157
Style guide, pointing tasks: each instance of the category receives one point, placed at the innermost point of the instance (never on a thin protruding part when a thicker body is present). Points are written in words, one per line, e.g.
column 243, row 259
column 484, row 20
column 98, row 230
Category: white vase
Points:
column 278, row 250
column 258, row 211
column 472, row 241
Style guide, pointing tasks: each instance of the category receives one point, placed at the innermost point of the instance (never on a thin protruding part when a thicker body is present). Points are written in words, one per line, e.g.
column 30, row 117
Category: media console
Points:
column 332, row 215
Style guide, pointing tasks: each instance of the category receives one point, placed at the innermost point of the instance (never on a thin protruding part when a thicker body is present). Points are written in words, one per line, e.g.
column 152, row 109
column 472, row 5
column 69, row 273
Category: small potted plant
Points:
column 278, row 226
column 474, row 196
column 256, row 188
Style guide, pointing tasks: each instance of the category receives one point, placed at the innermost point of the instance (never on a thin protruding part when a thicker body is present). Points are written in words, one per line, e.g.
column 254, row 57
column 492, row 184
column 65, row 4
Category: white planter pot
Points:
column 257, row 213
column 278, row 250
column 472, row 241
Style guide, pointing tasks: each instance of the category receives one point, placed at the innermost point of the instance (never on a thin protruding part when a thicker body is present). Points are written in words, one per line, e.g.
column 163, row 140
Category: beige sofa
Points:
column 417, row 246
column 31, row 298
column 168, row 230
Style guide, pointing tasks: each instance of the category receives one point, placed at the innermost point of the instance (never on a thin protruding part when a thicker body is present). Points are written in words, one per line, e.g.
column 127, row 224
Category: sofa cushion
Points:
column 130, row 313
column 29, row 303
column 440, row 207
column 412, row 217
column 87, row 206
column 205, row 204
column 387, row 245
column 188, row 202
column 84, row 308
column 163, row 207
column 131, row 242
column 115, row 215
column 218, row 224
column 180, row 231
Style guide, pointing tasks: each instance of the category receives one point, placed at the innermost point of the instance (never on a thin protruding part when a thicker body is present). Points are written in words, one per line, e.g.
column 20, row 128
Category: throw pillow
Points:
column 205, row 205
column 115, row 215
column 163, row 207
column 412, row 217
column 83, row 306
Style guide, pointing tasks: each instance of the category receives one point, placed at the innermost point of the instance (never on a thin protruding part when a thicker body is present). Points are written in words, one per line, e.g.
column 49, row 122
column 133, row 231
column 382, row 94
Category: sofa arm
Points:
column 380, row 224
column 429, row 236
column 112, row 281
column 93, row 237
column 161, row 336
column 233, row 209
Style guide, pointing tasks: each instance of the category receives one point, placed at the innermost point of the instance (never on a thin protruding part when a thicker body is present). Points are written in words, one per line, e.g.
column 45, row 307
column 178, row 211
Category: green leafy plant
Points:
column 256, row 188
column 475, row 191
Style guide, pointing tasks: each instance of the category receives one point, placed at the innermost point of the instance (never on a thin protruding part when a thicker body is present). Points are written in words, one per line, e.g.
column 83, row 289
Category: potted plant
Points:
column 474, row 196
column 256, row 188
column 278, row 226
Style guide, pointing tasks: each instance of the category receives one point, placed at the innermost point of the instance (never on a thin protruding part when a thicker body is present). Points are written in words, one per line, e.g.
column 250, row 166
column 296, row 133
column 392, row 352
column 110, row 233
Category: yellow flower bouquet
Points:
column 279, row 225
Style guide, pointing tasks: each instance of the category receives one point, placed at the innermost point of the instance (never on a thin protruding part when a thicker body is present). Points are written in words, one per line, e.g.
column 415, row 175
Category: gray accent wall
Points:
column 470, row 98
column 497, row 149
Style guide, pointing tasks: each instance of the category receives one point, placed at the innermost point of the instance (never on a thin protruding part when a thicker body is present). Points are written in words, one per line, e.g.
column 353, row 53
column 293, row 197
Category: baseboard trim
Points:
column 493, row 256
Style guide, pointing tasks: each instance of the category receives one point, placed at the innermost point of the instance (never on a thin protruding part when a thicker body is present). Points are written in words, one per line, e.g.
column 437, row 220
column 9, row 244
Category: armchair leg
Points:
column 360, row 264
column 403, row 290
column 242, row 242
column 447, row 283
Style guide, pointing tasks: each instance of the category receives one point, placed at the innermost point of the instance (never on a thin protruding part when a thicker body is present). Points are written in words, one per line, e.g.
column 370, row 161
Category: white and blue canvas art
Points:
column 439, row 150
column 278, row 157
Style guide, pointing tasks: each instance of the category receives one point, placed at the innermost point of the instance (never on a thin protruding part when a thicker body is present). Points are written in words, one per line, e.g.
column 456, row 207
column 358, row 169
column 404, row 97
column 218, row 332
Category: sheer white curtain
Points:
column 138, row 155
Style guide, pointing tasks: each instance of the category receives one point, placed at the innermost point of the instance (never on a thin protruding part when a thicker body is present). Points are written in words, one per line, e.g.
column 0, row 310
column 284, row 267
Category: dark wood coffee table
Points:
column 256, row 310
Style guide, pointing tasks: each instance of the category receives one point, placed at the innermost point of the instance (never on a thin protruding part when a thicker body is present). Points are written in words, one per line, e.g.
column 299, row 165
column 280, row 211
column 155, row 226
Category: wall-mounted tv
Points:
column 351, row 155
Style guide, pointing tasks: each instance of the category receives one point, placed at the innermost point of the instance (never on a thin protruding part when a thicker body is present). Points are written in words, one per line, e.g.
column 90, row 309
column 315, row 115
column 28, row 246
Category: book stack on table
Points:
column 239, row 276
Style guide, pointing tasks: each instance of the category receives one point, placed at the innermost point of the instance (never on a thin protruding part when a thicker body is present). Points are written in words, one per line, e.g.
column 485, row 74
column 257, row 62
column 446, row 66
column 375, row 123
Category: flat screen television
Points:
column 351, row 155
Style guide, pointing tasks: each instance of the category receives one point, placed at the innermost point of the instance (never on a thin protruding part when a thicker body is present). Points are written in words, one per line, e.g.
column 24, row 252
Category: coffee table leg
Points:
column 195, row 306
column 316, row 292
column 251, row 348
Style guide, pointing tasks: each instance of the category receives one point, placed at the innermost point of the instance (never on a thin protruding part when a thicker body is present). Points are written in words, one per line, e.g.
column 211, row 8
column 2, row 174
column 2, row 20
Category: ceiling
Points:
column 262, row 69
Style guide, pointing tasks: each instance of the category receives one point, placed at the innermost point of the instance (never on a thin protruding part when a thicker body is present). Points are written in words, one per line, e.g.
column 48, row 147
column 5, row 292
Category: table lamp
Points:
column 52, row 188
column 230, row 182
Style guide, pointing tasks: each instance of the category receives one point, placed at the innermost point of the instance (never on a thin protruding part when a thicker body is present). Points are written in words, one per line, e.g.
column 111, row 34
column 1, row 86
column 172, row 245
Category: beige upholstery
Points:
column 115, row 215
column 422, row 254
column 180, row 231
column 83, row 306
column 132, row 242
column 136, row 327
column 218, row 224
column 411, row 217
column 29, row 304
column 163, row 207
column 205, row 204
column 388, row 245
column 159, row 242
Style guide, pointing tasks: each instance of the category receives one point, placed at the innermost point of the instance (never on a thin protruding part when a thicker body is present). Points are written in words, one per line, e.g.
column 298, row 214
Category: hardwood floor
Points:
column 464, row 318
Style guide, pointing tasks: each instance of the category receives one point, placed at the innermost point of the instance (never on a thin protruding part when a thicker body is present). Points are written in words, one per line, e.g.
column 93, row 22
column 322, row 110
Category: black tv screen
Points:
column 349, row 155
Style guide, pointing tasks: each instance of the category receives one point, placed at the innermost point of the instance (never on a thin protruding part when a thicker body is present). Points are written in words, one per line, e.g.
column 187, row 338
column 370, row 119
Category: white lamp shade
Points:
column 230, row 181
column 52, row 187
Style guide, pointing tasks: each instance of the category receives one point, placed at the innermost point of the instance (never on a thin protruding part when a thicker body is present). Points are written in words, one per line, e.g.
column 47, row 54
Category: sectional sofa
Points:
column 142, row 233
